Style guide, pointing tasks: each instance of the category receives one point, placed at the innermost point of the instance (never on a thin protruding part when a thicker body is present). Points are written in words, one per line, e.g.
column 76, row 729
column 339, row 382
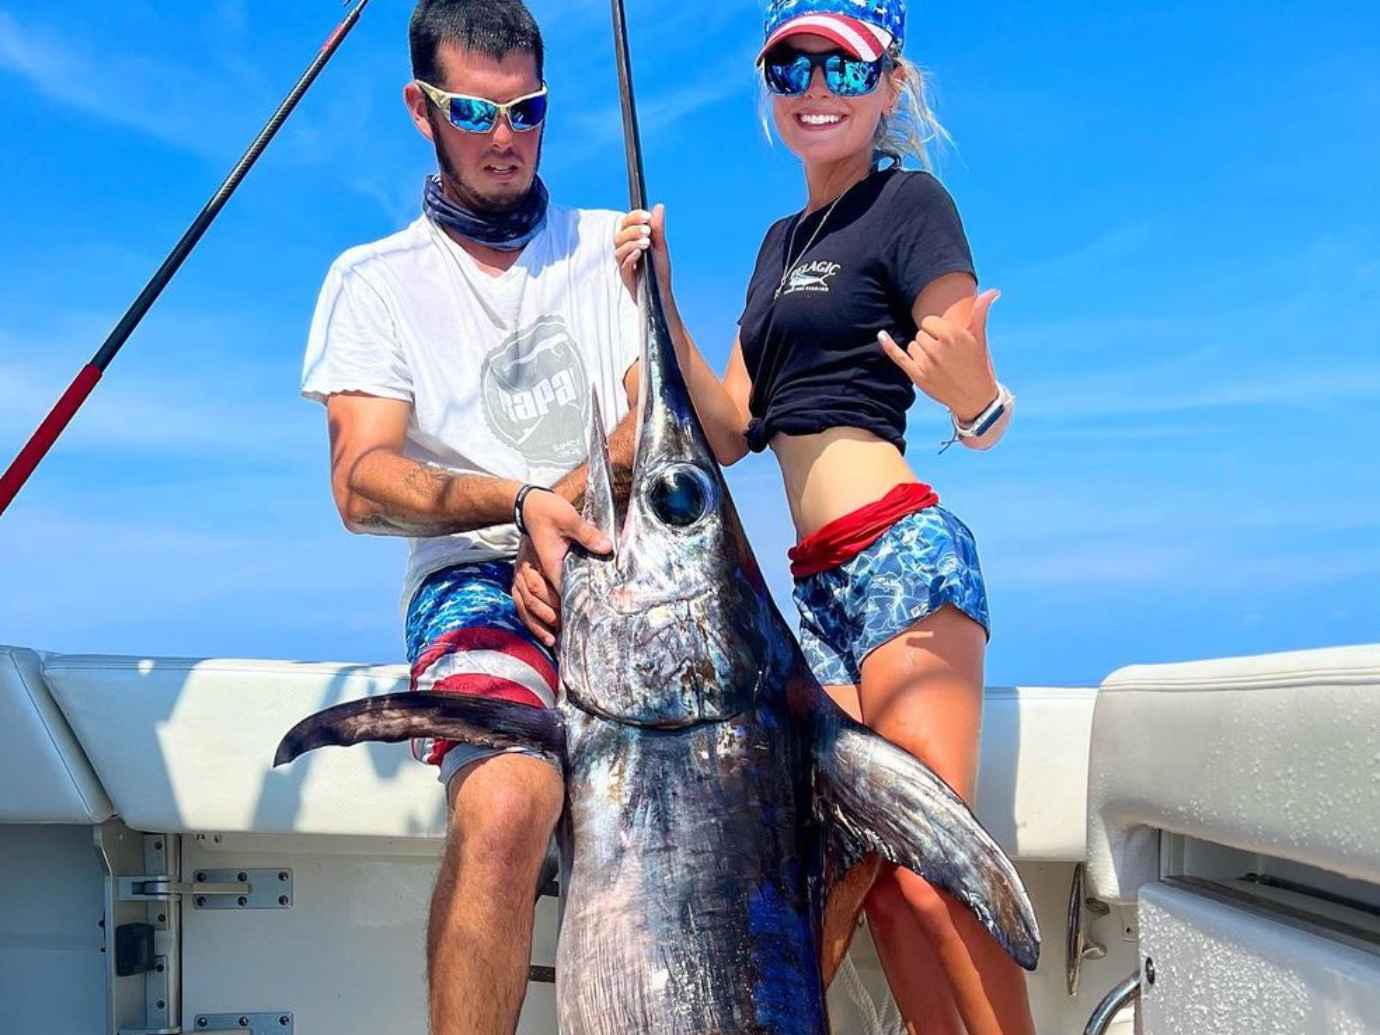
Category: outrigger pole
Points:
column 56, row 422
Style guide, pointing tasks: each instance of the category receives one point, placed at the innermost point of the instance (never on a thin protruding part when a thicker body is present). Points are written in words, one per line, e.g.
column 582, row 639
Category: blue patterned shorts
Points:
column 923, row 562
column 464, row 636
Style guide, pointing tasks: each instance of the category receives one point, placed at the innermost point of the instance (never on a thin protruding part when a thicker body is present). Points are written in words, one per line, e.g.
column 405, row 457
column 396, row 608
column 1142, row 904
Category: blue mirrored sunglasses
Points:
column 788, row 72
column 478, row 115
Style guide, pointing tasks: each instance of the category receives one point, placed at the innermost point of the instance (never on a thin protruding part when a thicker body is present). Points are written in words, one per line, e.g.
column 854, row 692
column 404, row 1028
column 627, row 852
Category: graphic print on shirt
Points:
column 811, row 276
column 536, row 394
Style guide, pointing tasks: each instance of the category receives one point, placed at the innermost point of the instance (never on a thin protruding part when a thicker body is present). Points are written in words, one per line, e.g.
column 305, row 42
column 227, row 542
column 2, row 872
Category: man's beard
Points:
column 466, row 193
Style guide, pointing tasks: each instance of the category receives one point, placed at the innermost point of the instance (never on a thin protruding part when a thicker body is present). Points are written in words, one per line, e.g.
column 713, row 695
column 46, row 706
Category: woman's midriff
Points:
column 835, row 472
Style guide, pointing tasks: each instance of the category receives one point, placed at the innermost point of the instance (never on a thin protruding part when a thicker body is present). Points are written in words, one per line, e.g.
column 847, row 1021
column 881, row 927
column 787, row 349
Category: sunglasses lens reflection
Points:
column 472, row 116
column 849, row 77
column 479, row 116
column 845, row 76
column 791, row 76
column 529, row 114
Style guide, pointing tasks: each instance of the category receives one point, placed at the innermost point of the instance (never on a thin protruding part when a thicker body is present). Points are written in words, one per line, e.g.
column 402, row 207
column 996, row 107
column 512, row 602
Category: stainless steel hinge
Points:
column 242, row 1023
column 227, row 1024
column 215, row 889
column 142, row 933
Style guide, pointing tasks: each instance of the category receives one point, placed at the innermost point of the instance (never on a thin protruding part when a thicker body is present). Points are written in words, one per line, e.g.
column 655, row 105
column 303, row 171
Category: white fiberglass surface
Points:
column 1230, row 969
column 52, row 967
column 348, row 957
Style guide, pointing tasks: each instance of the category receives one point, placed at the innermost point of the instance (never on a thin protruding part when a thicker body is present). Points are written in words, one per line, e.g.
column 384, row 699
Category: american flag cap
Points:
column 865, row 28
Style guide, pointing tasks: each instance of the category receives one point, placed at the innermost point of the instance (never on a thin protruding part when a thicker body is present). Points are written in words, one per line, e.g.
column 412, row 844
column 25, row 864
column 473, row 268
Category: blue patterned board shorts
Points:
column 923, row 562
column 464, row 636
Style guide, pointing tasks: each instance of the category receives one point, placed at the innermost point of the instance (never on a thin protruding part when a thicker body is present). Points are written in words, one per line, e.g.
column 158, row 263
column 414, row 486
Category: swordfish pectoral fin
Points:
column 875, row 797
column 466, row 720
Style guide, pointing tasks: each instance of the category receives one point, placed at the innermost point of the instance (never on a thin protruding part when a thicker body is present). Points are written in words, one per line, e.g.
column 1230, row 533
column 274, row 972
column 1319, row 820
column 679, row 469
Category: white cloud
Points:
column 164, row 100
column 210, row 109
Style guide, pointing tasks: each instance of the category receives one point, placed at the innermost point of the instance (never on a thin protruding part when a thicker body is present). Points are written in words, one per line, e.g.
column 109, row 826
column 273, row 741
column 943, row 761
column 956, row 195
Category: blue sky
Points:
column 1177, row 201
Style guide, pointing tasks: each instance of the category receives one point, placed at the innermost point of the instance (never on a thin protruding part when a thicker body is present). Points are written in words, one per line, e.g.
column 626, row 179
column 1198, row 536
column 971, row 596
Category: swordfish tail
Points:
column 466, row 720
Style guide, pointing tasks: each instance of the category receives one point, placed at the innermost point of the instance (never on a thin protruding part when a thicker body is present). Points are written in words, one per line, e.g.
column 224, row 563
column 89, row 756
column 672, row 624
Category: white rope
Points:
column 853, row 1009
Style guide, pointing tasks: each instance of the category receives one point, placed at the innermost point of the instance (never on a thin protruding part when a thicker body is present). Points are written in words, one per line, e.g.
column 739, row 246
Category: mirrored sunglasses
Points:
column 788, row 72
column 479, row 115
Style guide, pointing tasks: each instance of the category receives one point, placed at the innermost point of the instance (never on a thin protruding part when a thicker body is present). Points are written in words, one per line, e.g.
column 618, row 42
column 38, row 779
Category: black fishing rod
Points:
column 632, row 137
column 637, row 175
column 56, row 422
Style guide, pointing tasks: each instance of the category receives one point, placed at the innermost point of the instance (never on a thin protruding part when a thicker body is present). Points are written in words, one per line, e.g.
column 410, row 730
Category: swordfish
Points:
column 713, row 792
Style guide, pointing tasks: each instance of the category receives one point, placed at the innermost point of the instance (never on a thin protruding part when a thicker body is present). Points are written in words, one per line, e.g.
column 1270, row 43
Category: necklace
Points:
column 790, row 246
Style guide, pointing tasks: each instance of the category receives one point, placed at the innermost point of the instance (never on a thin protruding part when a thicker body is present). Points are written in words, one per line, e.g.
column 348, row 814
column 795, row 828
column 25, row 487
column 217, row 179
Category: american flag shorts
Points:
column 464, row 637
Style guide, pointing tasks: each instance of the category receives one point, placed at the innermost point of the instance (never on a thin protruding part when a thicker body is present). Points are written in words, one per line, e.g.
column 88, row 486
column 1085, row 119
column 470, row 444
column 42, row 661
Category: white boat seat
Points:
column 44, row 774
column 1032, row 784
column 1278, row 755
column 187, row 746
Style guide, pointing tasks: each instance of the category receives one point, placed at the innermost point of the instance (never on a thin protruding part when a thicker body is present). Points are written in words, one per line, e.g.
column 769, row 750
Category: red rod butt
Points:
column 32, row 454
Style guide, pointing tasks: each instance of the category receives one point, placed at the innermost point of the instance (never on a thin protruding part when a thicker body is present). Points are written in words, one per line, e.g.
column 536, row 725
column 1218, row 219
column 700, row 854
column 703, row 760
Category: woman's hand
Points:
column 949, row 360
column 640, row 232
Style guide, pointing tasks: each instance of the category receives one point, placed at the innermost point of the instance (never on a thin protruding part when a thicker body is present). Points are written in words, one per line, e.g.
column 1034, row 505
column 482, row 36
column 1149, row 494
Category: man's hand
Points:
column 538, row 601
column 552, row 525
column 949, row 360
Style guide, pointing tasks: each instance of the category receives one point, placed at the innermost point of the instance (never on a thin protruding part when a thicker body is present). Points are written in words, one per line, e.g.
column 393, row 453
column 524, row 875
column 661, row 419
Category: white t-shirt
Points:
column 499, row 370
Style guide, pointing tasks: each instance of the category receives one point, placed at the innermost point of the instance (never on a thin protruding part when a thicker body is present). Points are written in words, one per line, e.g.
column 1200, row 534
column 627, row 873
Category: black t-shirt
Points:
column 812, row 352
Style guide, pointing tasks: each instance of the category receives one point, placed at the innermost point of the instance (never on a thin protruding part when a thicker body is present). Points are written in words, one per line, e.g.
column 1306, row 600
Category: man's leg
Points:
column 479, row 937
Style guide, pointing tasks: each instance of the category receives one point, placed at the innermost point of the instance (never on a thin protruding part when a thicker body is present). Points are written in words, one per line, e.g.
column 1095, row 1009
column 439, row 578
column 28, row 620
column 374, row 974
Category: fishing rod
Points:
column 637, row 175
column 632, row 137
column 66, row 408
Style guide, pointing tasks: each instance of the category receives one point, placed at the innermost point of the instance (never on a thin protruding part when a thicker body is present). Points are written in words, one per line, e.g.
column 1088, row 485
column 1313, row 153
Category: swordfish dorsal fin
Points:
column 875, row 797
column 467, row 720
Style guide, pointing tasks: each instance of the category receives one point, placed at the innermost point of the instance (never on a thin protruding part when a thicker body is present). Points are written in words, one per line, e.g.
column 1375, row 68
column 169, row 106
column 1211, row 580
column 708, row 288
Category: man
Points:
column 457, row 360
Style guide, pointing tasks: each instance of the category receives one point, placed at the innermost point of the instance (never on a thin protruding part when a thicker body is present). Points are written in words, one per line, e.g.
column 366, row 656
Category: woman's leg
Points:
column 923, row 691
column 845, row 905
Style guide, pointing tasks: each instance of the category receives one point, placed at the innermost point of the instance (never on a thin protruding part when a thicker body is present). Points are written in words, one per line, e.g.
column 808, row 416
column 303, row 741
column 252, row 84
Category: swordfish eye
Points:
column 680, row 495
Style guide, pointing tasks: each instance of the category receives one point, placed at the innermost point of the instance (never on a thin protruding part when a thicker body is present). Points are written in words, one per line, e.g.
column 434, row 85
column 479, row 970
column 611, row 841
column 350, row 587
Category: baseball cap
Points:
column 866, row 29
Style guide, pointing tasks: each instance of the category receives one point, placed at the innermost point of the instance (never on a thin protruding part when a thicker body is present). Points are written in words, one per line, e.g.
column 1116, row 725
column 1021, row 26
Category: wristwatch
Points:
column 987, row 419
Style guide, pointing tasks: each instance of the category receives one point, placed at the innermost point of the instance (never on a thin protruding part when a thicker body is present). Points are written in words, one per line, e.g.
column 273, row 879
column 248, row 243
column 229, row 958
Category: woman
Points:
column 892, row 604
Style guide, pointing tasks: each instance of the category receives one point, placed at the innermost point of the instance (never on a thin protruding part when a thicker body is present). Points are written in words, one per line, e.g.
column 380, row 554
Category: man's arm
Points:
column 378, row 491
column 381, row 492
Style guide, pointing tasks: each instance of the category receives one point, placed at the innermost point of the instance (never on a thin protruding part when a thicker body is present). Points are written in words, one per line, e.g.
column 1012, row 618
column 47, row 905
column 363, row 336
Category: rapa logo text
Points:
column 540, row 399
column 536, row 394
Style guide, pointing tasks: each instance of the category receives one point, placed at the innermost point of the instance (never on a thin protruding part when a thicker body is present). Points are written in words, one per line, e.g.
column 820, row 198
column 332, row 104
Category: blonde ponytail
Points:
column 911, row 130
